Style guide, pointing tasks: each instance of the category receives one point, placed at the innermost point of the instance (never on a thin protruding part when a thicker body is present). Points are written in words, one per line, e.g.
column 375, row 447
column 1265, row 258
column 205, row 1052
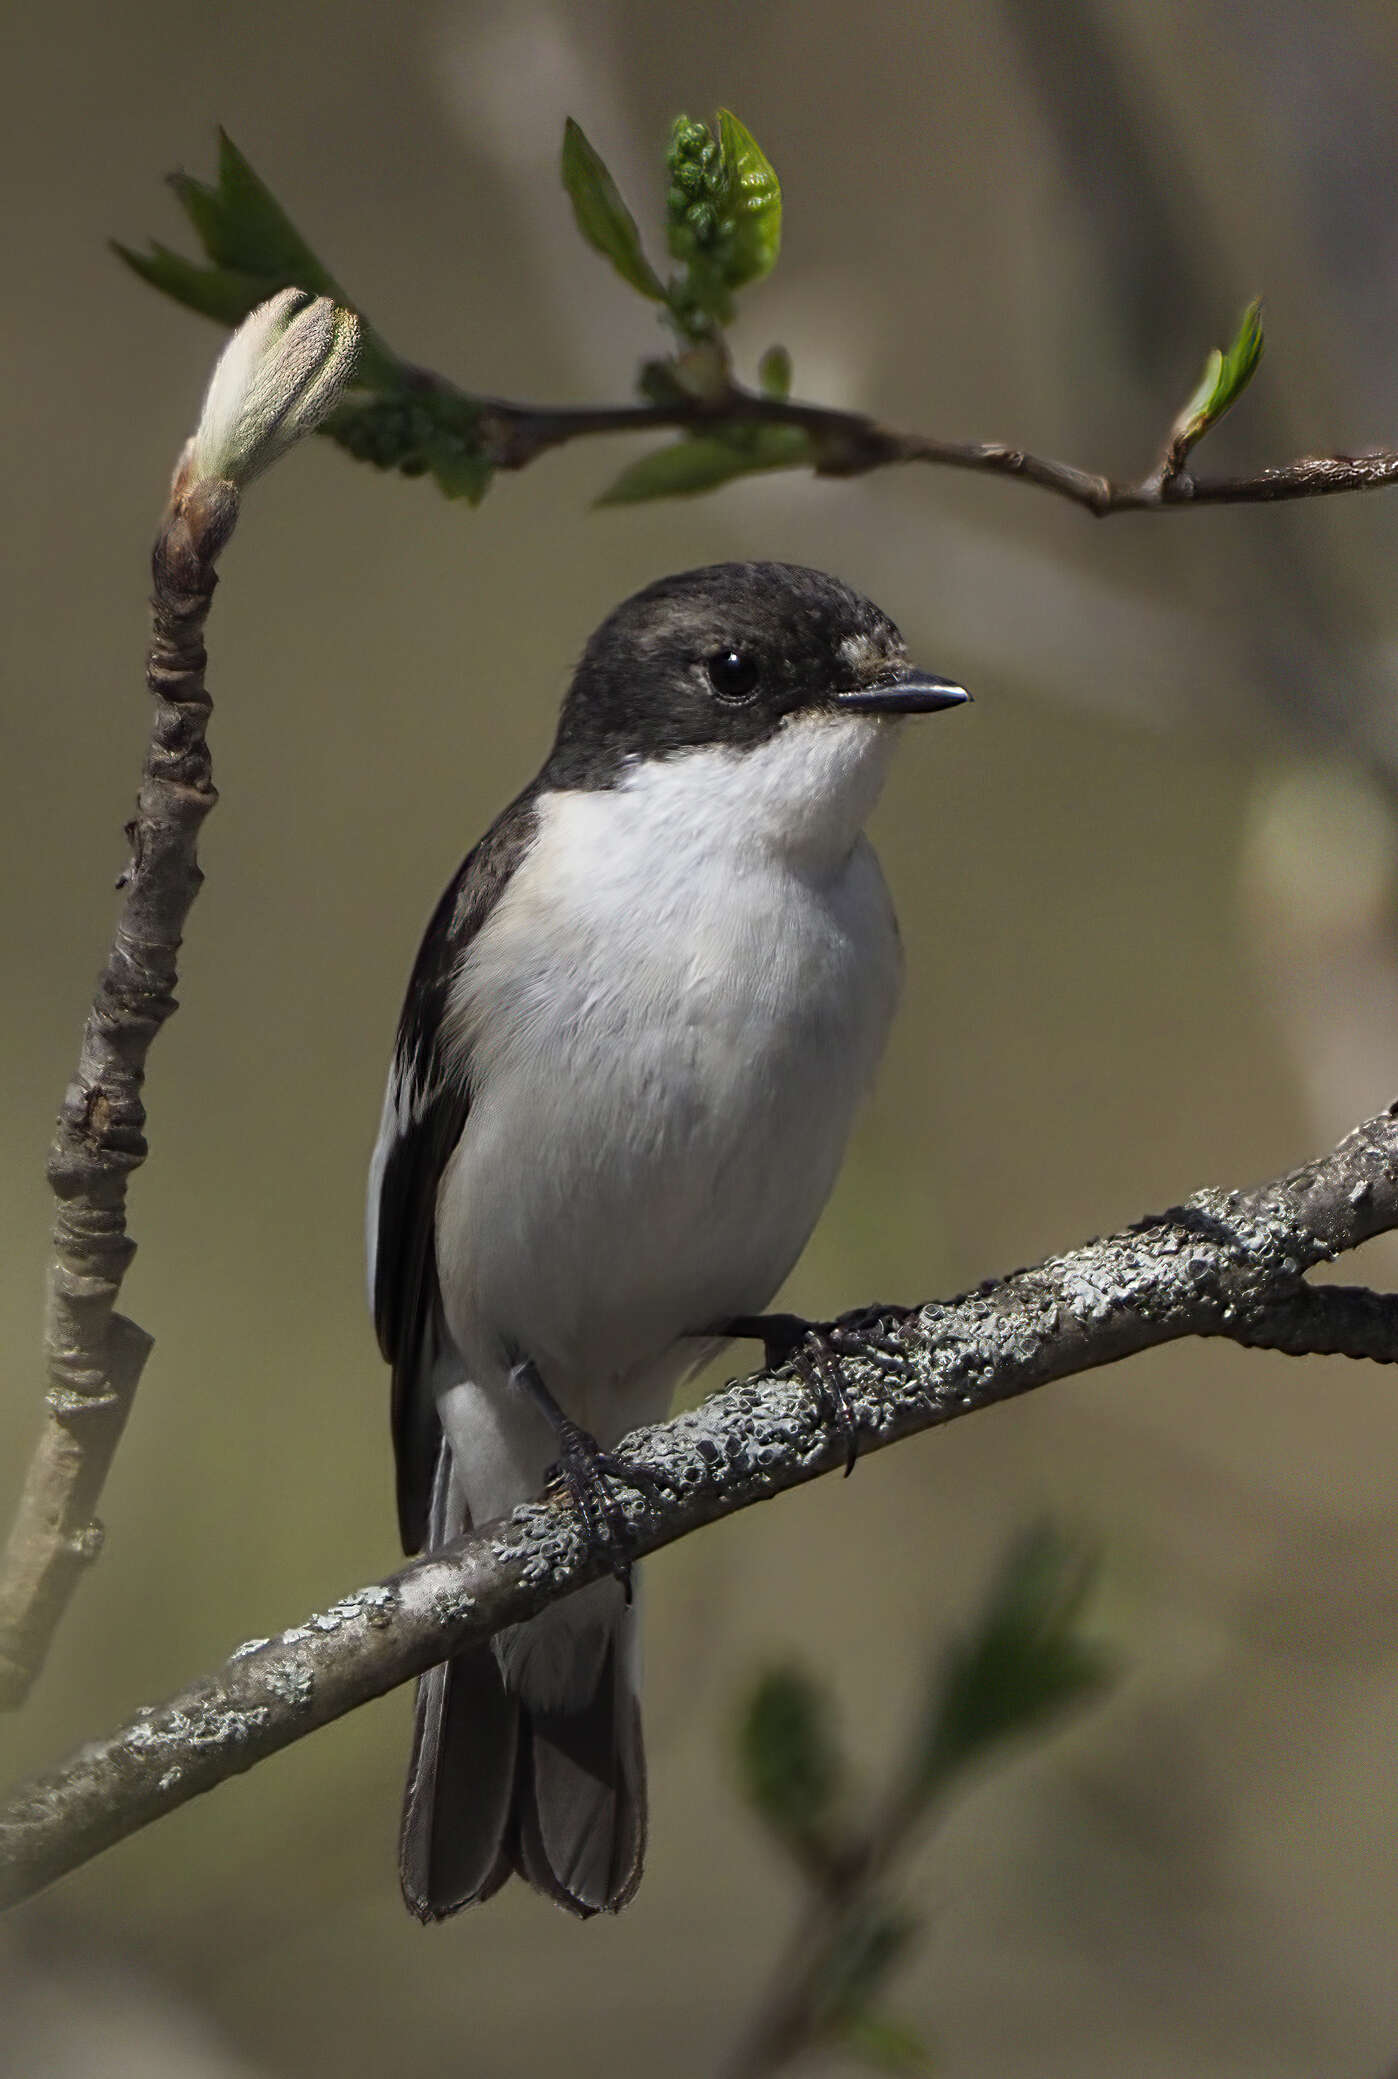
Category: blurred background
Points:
column 1148, row 891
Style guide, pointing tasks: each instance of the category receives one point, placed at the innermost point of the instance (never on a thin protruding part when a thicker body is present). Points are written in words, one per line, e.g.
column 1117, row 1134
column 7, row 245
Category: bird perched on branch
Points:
column 635, row 1037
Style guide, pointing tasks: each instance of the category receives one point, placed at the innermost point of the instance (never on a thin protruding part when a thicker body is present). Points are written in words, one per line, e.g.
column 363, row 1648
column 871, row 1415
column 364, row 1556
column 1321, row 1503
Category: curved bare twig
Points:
column 279, row 374
column 95, row 1356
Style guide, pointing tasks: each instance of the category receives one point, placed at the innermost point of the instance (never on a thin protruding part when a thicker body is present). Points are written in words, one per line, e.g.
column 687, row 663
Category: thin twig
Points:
column 95, row 1355
column 1222, row 1264
column 277, row 377
column 848, row 443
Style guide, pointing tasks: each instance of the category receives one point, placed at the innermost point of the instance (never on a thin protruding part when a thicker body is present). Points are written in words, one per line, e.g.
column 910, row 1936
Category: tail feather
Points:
column 496, row 1785
column 580, row 1809
column 461, row 1787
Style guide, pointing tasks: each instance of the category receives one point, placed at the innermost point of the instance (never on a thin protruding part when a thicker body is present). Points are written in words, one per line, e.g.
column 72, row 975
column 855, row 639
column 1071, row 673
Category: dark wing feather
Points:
column 425, row 1112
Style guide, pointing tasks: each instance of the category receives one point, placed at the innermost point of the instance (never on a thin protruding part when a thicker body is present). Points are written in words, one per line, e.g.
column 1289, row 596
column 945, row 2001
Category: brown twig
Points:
column 95, row 1355
column 1229, row 1264
column 278, row 376
column 847, row 443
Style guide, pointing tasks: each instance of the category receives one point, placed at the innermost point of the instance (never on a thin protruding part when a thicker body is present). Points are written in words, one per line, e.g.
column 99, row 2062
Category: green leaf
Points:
column 602, row 217
column 706, row 461
column 215, row 292
column 253, row 246
column 889, row 2046
column 242, row 225
column 460, row 473
column 1025, row 1664
column 753, row 200
column 791, row 1767
column 417, row 436
column 774, row 373
column 1226, row 376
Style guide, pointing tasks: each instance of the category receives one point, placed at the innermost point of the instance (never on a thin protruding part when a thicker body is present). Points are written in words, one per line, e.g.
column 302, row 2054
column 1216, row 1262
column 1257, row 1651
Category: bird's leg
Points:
column 814, row 1350
column 781, row 1335
column 582, row 1470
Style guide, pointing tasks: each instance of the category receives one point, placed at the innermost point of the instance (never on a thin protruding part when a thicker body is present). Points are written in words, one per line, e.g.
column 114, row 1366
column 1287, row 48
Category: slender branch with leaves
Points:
column 1025, row 1662
column 723, row 225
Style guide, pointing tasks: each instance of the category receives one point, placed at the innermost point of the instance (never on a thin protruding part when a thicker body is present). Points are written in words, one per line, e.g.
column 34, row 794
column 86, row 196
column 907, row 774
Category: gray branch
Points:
column 1223, row 1264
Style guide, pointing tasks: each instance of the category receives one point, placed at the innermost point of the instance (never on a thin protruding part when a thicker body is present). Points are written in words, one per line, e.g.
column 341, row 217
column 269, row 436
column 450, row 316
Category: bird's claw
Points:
column 814, row 1349
column 581, row 1473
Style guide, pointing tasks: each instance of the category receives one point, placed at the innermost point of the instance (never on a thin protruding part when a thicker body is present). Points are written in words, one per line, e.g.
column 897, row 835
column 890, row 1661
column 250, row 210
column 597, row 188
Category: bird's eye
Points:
column 733, row 674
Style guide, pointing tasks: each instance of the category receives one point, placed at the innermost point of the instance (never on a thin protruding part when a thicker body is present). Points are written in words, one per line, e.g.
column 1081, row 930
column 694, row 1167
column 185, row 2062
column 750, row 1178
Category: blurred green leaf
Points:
column 861, row 1956
column 1226, row 376
column 753, row 200
column 789, row 1761
column 659, row 383
column 774, row 373
column 889, row 2046
column 1026, row 1663
column 706, row 461
column 461, row 474
column 602, row 217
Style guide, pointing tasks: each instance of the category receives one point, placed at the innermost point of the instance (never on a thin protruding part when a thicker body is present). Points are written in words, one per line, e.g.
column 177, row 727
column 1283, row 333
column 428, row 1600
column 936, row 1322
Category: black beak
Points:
column 906, row 692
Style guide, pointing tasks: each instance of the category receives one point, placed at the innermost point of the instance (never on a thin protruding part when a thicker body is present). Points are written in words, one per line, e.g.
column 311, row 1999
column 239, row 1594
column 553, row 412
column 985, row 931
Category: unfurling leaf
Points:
column 723, row 218
column 790, row 1764
column 1226, row 376
column 602, row 217
column 753, row 196
column 703, row 463
column 1025, row 1663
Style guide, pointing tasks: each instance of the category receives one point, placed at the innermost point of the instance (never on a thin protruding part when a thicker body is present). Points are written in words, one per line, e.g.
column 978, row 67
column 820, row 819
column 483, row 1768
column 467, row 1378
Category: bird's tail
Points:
column 498, row 1785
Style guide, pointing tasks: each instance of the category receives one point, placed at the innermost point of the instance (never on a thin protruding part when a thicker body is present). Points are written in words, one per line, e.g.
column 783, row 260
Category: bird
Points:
column 636, row 1034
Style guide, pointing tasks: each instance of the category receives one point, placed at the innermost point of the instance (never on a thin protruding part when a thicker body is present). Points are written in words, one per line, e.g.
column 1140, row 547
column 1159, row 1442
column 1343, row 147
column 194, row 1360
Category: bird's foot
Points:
column 582, row 1471
column 864, row 1332
column 815, row 1349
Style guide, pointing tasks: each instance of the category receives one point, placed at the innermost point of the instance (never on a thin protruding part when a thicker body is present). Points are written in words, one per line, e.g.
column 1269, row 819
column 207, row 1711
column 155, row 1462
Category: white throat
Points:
column 803, row 795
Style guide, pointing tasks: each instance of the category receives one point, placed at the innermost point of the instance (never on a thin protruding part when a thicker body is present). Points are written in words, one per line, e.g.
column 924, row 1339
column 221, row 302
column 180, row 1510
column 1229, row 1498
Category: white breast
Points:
column 671, row 1017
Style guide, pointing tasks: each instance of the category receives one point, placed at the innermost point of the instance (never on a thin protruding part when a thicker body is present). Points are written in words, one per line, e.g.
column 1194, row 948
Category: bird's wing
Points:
column 425, row 1110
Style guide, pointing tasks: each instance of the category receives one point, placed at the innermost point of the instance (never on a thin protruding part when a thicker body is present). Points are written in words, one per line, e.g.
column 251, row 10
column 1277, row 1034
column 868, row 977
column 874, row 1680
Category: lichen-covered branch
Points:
column 279, row 375
column 1223, row 1264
